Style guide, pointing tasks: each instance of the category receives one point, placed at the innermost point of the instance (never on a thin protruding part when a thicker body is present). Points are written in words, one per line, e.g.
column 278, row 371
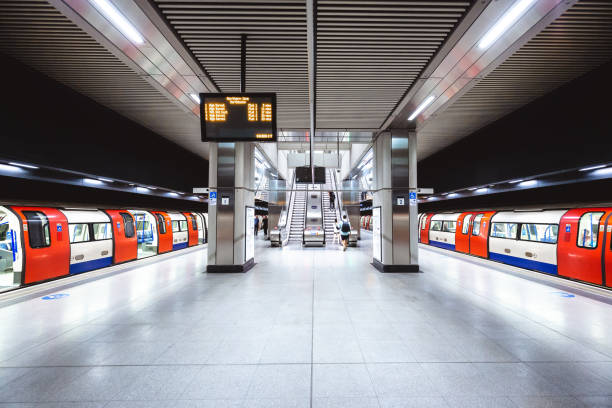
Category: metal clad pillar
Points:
column 232, row 172
column 395, row 175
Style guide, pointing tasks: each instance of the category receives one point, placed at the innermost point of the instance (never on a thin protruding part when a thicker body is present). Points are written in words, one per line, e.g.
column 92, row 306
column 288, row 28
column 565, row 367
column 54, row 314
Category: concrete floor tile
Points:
column 341, row 402
column 290, row 381
column 413, row 402
column 229, row 382
column 341, row 380
column 401, row 380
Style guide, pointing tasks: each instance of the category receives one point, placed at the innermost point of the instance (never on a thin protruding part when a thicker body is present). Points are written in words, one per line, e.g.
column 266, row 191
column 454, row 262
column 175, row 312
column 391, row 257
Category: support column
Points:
column 395, row 180
column 350, row 204
column 232, row 171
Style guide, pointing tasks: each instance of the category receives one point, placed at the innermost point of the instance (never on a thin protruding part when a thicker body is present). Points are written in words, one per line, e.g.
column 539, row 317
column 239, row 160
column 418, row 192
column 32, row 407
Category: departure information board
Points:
column 238, row 117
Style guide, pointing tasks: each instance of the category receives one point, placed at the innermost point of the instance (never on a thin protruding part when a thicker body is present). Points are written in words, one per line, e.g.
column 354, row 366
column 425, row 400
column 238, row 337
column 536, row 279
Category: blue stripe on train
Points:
column 179, row 246
column 524, row 263
column 443, row 245
column 91, row 265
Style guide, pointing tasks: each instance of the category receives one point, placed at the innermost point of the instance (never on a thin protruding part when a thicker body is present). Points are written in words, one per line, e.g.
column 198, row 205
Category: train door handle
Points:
column 103, row 253
column 79, row 257
column 507, row 250
column 530, row 255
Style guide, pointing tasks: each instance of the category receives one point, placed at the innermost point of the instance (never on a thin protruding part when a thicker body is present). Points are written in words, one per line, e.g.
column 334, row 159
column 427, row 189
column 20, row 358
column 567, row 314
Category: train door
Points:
column 124, row 234
column 164, row 232
column 146, row 233
column 200, row 222
column 45, row 242
column 462, row 235
column 180, row 233
column 607, row 251
column 424, row 232
column 11, row 250
column 579, row 248
column 480, row 234
column 192, row 228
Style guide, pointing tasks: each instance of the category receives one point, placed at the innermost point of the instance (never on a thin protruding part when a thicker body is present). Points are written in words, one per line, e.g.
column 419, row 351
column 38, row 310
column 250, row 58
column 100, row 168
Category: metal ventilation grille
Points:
column 575, row 43
column 38, row 35
column 369, row 52
column 276, row 47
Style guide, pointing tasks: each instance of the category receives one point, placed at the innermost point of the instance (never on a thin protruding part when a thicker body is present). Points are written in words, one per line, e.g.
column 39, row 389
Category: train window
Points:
column 588, row 230
column 78, row 233
column 194, row 223
column 102, row 231
column 175, row 226
column 466, row 224
column 128, row 223
column 504, row 230
column 449, row 226
column 4, row 229
column 540, row 233
column 476, row 228
column 160, row 223
column 436, row 226
column 183, row 225
column 38, row 229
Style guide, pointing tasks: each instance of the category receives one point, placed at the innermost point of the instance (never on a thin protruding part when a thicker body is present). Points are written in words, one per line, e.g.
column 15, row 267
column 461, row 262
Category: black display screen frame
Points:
column 303, row 175
column 207, row 138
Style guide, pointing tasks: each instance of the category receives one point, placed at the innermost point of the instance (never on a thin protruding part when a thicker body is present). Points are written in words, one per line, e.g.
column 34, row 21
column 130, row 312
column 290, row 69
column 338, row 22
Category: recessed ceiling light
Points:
column 517, row 181
column 118, row 20
column 94, row 182
column 27, row 166
column 504, row 23
column 105, row 180
column 603, row 172
column 12, row 169
column 422, row 107
column 599, row 166
column 528, row 183
column 452, row 195
column 195, row 98
column 482, row 190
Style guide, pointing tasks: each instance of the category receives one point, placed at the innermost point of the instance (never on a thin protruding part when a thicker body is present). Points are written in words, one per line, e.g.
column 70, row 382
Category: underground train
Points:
column 42, row 243
column 570, row 243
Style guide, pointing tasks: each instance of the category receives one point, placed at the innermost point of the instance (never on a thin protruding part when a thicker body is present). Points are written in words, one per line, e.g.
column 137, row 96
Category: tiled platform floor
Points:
column 305, row 328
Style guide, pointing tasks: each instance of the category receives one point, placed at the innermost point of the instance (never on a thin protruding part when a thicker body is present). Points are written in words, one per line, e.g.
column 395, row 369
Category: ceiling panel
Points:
column 35, row 33
column 575, row 43
column 276, row 47
column 369, row 52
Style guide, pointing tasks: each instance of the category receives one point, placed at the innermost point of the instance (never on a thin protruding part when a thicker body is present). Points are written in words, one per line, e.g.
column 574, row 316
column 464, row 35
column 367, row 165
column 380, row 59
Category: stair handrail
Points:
column 337, row 200
column 289, row 218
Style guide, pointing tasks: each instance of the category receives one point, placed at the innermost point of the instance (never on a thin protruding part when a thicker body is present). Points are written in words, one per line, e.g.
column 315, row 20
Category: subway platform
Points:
column 307, row 328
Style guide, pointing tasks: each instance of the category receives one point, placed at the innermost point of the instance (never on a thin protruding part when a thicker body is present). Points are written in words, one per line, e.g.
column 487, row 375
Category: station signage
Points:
column 238, row 117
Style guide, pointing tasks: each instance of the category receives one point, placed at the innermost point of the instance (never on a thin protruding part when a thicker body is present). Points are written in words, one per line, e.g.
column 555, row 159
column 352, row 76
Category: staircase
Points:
column 263, row 191
column 297, row 217
column 328, row 214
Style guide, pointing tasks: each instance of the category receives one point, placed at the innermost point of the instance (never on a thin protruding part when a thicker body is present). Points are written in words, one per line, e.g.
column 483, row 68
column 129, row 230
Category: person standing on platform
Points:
column 332, row 200
column 336, row 231
column 256, row 225
column 345, row 232
column 264, row 225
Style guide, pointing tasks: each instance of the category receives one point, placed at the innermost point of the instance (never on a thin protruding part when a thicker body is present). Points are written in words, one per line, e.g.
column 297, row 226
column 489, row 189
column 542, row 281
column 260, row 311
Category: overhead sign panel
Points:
column 238, row 117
